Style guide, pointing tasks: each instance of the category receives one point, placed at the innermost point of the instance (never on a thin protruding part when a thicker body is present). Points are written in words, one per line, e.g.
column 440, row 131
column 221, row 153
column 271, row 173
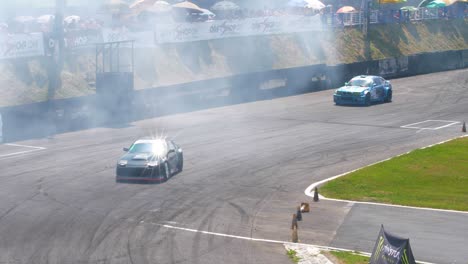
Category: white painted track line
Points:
column 413, row 125
column 9, row 155
column 24, row 146
column 264, row 240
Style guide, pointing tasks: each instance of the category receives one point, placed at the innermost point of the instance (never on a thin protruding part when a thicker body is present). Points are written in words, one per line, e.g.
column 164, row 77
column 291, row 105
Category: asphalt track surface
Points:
column 246, row 169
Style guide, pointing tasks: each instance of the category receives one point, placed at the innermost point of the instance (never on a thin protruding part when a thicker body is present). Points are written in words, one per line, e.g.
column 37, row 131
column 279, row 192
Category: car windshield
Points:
column 360, row 82
column 155, row 147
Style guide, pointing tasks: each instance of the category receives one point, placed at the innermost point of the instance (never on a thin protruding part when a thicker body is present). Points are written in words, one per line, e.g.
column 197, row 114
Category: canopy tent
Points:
column 450, row 2
column 160, row 7
column 392, row 1
column 141, row 5
column 312, row 4
column 316, row 5
column 188, row 6
column 436, row 3
column 409, row 8
column 225, row 6
column 45, row 19
column 71, row 19
column 207, row 13
column 346, row 9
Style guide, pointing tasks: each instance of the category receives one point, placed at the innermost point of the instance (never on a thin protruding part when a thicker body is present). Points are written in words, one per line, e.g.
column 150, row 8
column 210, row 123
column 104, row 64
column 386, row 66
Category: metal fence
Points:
column 394, row 16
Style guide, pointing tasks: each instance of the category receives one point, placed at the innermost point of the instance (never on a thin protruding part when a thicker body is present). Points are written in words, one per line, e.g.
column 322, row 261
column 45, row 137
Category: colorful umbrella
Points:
column 315, row 4
column 409, row 8
column 392, row 1
column 160, row 7
column 189, row 6
column 207, row 13
column 436, row 3
column 346, row 9
column 45, row 19
column 71, row 19
column 141, row 5
column 450, row 2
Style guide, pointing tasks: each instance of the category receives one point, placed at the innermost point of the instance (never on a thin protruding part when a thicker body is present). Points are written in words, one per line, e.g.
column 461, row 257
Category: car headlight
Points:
column 153, row 163
column 123, row 163
column 363, row 92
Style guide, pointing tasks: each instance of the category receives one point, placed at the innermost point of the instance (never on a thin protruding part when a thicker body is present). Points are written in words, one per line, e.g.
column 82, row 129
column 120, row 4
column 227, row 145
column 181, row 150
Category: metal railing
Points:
column 392, row 16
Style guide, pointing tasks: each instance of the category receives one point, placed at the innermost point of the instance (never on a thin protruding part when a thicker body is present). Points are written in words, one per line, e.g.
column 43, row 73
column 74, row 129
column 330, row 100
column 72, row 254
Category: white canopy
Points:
column 225, row 6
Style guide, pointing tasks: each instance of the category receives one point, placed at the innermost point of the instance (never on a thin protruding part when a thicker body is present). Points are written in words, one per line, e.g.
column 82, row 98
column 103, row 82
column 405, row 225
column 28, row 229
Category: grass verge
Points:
column 292, row 254
column 345, row 257
column 435, row 177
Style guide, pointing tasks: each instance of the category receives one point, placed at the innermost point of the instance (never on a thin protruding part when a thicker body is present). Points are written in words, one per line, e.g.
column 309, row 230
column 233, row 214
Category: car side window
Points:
column 377, row 81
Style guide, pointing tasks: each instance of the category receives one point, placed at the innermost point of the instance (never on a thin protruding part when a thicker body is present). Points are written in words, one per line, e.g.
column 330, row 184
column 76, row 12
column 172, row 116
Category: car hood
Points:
column 352, row 89
column 138, row 156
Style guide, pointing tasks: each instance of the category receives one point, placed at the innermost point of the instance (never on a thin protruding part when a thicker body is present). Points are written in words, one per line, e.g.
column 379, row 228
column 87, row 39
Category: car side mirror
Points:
column 125, row 149
column 346, row 83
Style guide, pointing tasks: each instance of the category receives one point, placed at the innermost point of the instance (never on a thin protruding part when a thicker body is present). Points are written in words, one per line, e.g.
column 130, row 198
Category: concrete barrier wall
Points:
column 48, row 118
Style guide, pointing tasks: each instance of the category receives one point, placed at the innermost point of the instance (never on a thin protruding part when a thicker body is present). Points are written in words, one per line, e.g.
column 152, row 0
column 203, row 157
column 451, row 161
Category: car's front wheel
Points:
column 367, row 101
column 166, row 173
column 389, row 96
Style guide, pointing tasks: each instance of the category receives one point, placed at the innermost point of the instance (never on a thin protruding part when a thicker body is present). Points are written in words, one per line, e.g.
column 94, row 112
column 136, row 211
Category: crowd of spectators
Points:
column 146, row 20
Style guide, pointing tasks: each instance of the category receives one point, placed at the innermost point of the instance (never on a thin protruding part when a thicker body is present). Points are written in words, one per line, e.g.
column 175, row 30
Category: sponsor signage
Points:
column 82, row 38
column 144, row 39
column 390, row 249
column 186, row 32
column 21, row 45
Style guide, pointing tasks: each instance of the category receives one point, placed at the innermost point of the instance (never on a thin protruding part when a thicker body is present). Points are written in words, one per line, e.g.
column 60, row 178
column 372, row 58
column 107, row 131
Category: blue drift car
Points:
column 364, row 90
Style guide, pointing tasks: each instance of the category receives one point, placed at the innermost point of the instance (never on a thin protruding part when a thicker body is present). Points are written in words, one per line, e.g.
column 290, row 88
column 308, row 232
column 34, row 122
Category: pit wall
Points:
column 57, row 116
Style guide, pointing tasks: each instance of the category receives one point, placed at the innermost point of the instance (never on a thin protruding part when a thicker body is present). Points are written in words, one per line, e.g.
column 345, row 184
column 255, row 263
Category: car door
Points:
column 373, row 89
column 379, row 89
column 172, row 157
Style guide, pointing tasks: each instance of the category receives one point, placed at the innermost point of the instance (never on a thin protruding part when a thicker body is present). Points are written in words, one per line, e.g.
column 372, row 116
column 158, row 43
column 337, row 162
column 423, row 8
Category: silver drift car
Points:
column 150, row 161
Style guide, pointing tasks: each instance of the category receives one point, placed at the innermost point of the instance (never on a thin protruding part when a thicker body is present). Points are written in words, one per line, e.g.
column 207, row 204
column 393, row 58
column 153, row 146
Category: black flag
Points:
column 390, row 249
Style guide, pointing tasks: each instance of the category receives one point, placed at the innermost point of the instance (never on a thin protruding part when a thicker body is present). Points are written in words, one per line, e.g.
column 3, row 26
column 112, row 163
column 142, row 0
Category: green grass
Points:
column 435, row 177
column 292, row 254
column 350, row 257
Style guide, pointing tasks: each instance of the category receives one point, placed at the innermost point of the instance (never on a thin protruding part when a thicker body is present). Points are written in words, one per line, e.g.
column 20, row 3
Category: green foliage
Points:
column 350, row 257
column 292, row 254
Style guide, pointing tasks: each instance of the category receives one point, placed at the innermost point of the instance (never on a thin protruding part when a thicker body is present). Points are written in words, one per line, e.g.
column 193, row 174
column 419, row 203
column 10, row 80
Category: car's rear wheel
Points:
column 367, row 101
column 389, row 96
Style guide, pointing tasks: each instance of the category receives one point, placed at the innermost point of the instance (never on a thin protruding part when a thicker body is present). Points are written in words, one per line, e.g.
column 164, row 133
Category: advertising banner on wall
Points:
column 82, row 38
column 186, row 32
column 21, row 45
column 144, row 39
column 392, row 66
column 390, row 249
